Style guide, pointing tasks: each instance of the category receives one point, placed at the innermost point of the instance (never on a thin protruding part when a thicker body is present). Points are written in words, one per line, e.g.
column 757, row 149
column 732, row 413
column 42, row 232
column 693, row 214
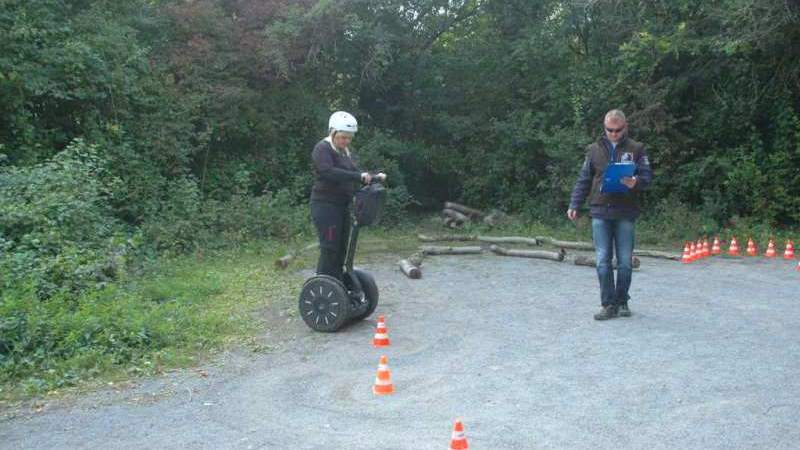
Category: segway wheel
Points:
column 324, row 303
column 370, row 293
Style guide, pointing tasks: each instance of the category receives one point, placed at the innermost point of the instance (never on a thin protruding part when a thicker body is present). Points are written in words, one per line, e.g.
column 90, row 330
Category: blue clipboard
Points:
column 612, row 177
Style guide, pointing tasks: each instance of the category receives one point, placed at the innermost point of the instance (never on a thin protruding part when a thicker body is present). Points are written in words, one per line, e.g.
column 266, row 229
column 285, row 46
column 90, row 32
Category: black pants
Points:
column 333, row 226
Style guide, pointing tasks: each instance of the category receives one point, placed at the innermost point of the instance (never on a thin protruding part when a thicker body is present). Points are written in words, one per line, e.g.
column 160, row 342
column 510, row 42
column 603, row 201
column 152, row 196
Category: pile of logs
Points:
column 457, row 215
column 412, row 266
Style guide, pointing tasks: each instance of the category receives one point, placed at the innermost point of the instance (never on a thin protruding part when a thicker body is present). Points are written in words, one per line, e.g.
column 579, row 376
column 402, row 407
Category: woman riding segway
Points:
column 336, row 178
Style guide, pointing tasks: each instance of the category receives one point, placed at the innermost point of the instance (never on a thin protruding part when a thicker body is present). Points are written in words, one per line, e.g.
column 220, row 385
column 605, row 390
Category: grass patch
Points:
column 173, row 314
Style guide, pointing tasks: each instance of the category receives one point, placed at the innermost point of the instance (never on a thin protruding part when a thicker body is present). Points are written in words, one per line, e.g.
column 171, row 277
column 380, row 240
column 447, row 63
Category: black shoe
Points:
column 623, row 311
column 608, row 312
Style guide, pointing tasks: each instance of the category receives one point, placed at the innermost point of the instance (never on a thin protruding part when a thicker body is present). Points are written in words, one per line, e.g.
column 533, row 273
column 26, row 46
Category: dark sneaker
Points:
column 623, row 311
column 608, row 312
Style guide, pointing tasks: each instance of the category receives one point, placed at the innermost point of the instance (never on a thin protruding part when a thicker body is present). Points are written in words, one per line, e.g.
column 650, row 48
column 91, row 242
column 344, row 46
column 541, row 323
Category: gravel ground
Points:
column 709, row 360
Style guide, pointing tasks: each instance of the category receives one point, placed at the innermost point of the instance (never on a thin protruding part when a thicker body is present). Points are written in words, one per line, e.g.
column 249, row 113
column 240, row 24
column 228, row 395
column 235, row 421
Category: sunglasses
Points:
column 615, row 130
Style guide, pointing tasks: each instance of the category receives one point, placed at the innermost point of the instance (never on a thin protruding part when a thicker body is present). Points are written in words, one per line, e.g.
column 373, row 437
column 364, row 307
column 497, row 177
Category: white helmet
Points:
column 342, row 121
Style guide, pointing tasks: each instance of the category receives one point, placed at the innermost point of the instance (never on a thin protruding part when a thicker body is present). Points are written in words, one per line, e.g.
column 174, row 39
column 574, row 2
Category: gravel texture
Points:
column 710, row 359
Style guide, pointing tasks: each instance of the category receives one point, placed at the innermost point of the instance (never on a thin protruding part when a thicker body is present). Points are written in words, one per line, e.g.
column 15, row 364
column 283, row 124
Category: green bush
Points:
column 272, row 215
column 671, row 222
column 381, row 152
column 56, row 226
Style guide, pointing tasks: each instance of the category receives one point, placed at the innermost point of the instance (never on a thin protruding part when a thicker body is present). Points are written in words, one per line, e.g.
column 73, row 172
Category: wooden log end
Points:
column 411, row 270
column 283, row 262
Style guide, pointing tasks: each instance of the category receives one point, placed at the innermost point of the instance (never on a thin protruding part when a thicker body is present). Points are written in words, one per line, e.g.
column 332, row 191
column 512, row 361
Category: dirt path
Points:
column 709, row 360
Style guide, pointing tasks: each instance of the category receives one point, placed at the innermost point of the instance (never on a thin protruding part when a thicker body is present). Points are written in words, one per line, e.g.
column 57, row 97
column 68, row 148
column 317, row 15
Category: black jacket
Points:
column 336, row 175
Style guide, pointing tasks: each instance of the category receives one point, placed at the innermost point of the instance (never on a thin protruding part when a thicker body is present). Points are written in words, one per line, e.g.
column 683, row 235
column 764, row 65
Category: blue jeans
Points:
column 619, row 235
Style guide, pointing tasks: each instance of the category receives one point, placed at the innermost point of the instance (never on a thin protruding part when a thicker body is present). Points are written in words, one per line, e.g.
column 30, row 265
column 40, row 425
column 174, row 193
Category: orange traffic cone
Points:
column 381, row 338
column 693, row 251
column 751, row 248
column 789, row 252
column 715, row 249
column 687, row 255
column 706, row 248
column 733, row 250
column 383, row 379
column 458, row 441
column 798, row 266
column 699, row 247
column 770, row 250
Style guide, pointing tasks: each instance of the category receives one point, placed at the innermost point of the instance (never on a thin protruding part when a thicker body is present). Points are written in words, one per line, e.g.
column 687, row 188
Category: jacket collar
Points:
column 330, row 141
column 607, row 144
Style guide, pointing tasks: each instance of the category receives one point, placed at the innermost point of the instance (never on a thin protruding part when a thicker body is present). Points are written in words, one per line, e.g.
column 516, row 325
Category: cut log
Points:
column 590, row 246
column 540, row 254
column 509, row 240
column 590, row 261
column 443, row 250
column 472, row 237
column 565, row 244
column 447, row 237
column 658, row 254
column 466, row 210
column 283, row 261
column 455, row 215
column 411, row 270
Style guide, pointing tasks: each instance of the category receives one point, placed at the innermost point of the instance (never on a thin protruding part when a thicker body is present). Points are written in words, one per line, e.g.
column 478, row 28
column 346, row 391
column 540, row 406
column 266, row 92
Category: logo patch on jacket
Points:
column 626, row 157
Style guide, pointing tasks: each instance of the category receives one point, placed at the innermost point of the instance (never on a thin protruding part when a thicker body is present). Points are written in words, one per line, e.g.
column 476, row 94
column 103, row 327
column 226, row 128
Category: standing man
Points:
column 613, row 213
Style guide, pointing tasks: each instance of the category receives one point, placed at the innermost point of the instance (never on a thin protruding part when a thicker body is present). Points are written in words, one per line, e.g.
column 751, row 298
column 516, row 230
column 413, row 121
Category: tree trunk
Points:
column 658, row 254
column 590, row 246
column 442, row 250
column 472, row 237
column 540, row 254
column 509, row 240
column 566, row 244
column 447, row 237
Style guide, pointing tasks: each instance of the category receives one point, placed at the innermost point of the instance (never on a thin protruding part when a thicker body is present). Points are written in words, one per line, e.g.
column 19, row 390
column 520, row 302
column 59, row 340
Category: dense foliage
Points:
column 131, row 129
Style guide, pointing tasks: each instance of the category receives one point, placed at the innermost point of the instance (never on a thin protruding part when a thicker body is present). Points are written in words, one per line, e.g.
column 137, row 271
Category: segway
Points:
column 328, row 304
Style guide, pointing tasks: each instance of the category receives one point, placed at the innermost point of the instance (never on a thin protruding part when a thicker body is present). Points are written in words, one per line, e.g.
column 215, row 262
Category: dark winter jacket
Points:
column 336, row 176
column 611, row 205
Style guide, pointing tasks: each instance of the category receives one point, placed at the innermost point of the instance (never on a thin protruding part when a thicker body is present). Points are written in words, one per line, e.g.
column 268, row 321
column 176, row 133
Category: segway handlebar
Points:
column 373, row 178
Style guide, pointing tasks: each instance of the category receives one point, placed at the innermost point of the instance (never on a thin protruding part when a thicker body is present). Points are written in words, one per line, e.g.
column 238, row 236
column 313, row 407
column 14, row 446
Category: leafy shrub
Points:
column 49, row 344
column 55, row 223
column 245, row 217
column 175, row 224
column 673, row 222
column 382, row 152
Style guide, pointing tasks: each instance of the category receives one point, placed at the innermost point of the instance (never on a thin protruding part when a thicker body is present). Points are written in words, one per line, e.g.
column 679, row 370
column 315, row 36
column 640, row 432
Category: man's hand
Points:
column 380, row 176
column 572, row 214
column 366, row 177
column 629, row 181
